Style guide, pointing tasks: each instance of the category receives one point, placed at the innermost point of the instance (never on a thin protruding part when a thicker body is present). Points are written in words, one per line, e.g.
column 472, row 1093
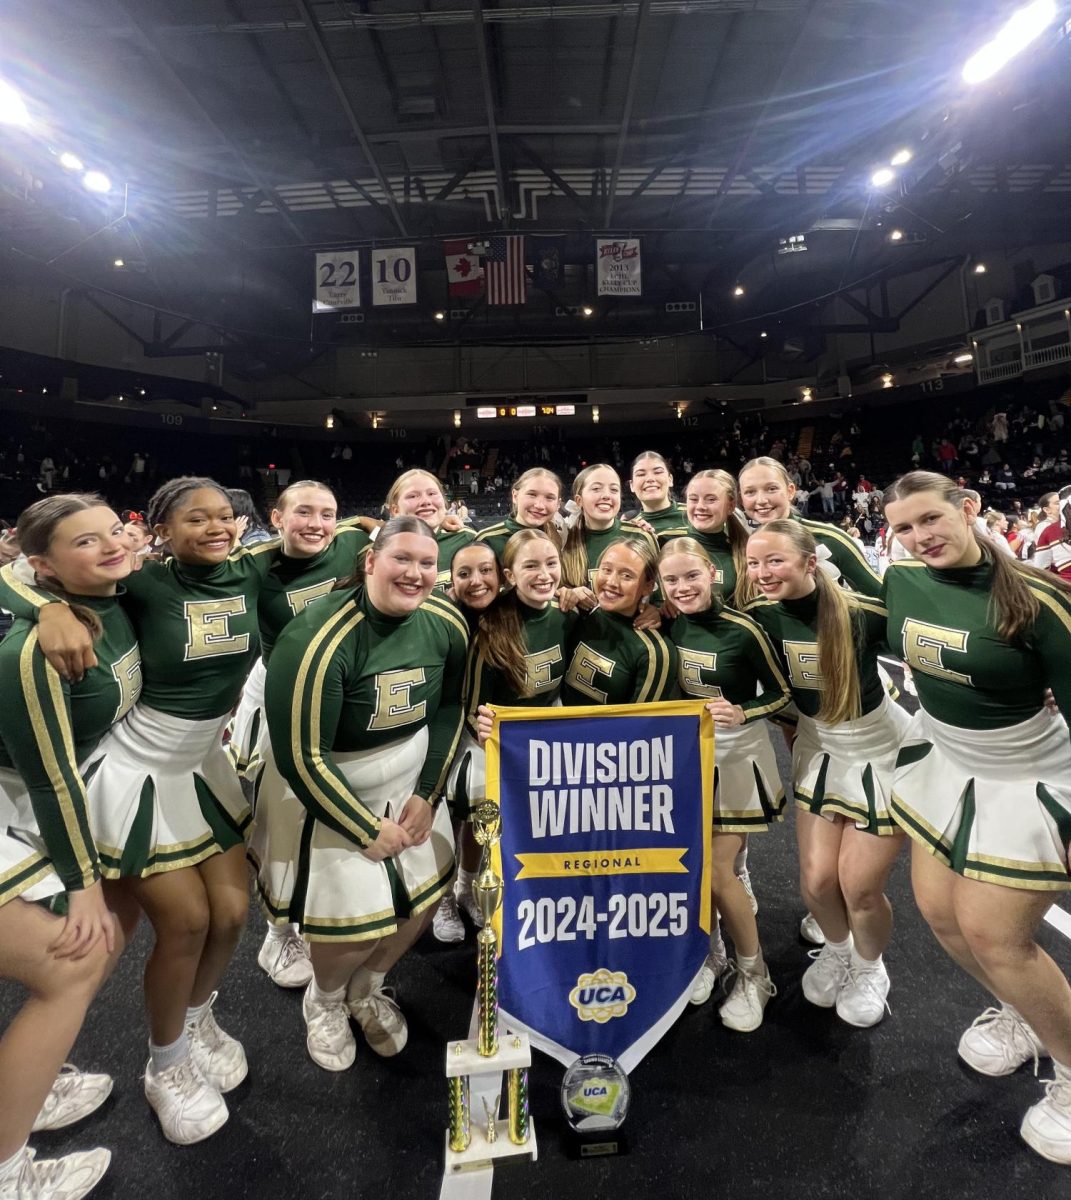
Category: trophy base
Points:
column 482, row 1154
column 463, row 1056
column 597, row 1144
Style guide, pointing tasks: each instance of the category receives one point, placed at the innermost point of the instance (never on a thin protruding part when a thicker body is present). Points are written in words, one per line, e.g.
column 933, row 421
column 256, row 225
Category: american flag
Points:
column 504, row 267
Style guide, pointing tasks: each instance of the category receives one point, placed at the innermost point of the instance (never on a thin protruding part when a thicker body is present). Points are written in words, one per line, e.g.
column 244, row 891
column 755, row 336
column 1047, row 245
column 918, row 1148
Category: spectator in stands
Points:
column 1062, row 466
column 1005, row 481
column 825, row 490
column 249, row 523
column 997, row 528
column 946, row 456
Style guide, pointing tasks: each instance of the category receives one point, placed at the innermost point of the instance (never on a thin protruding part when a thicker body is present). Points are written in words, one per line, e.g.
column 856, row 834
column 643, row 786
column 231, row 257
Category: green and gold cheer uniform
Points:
column 723, row 654
column 449, row 543
column 983, row 779
column 597, row 540
column 845, row 554
column 496, row 536
column 50, row 727
column 838, row 770
column 662, row 519
column 610, row 662
column 717, row 547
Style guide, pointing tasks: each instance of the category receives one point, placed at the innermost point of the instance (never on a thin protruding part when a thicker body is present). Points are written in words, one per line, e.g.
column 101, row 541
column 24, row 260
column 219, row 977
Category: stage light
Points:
column 457, row 418
column 594, row 414
column 738, row 291
column 901, row 157
column 329, row 421
column 13, row 109
column 440, row 316
column 961, row 360
column 1022, row 27
column 118, row 263
column 587, row 310
column 71, row 162
column 96, row 181
column 887, row 381
column 882, row 177
column 764, row 334
column 897, row 235
column 979, row 268
column 375, row 420
column 806, row 393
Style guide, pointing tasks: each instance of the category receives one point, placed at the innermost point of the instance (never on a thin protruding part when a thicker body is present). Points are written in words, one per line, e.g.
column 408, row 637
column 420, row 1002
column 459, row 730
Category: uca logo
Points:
column 602, row 995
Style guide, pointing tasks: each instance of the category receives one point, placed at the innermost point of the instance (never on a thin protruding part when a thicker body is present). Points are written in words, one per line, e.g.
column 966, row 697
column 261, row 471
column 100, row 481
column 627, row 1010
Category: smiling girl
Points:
column 597, row 493
column 710, row 508
column 536, row 499
column 651, row 482
column 417, row 493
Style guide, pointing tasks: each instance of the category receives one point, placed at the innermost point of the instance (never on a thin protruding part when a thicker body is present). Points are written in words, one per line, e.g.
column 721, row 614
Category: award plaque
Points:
column 595, row 1097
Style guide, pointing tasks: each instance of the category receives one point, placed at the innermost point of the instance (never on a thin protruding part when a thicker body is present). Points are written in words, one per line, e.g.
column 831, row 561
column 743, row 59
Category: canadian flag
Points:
column 464, row 271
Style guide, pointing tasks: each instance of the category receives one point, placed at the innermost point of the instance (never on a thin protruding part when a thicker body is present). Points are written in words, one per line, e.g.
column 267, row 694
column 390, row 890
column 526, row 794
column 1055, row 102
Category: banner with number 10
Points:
column 394, row 279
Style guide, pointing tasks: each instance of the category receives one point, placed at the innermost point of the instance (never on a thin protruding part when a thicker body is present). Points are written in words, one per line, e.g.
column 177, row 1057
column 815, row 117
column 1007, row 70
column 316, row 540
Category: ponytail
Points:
column 574, row 551
column 500, row 636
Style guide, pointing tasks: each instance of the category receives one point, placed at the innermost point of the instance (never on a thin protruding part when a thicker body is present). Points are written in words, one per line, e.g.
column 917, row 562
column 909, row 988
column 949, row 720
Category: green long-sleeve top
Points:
column 717, row 547
column 546, row 636
column 662, row 519
column 50, row 726
column 725, row 654
column 940, row 622
column 610, row 662
column 496, row 536
column 449, row 543
column 597, row 540
column 845, row 554
column 346, row 677
column 791, row 626
column 196, row 626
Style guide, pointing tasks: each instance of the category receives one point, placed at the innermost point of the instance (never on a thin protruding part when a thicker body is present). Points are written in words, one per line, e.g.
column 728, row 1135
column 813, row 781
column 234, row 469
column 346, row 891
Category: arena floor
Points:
column 806, row 1107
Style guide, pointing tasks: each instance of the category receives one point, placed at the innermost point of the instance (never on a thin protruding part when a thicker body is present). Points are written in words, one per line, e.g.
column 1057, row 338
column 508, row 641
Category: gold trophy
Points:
column 468, row 1147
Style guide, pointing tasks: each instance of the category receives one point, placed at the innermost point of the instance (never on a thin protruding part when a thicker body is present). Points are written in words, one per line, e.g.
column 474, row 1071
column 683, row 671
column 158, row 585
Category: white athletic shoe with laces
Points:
column 383, row 1022
column 68, row 1178
column 712, row 970
column 446, row 925
column 286, row 960
column 1046, row 1127
column 189, row 1108
column 862, row 1000
column 824, row 978
column 747, row 1001
column 329, row 1039
column 811, row 931
column 219, row 1057
column 745, row 879
column 74, row 1095
column 999, row 1042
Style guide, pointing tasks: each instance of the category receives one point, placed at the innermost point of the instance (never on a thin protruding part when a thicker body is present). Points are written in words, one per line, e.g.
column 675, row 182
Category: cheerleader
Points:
column 597, row 494
column 983, row 780
column 475, row 582
column 610, row 661
column 726, row 659
column 166, row 807
column 651, row 481
column 766, row 493
column 316, row 550
column 710, row 509
column 536, row 496
column 417, row 493
column 364, row 709
column 78, row 546
column 827, row 640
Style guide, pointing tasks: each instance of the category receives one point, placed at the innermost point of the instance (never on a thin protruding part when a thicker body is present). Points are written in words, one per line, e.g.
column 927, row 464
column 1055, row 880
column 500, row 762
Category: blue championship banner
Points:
column 605, row 858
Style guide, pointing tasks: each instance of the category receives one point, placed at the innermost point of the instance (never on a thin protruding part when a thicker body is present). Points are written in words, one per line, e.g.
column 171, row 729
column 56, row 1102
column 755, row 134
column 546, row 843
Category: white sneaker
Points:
column 811, row 931
column 286, row 960
column 189, row 1108
column 466, row 901
column 219, row 1057
column 861, row 1001
column 447, row 926
column 747, row 1001
column 999, row 1042
column 383, row 1022
column 824, row 978
column 745, row 879
column 330, row 1040
column 1046, row 1127
column 68, row 1178
column 74, row 1095
column 712, row 970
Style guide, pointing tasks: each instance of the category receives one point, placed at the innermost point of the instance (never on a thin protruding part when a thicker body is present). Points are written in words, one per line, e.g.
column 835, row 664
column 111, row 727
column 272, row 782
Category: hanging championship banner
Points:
column 394, row 276
column 605, row 858
column 337, row 282
column 618, row 266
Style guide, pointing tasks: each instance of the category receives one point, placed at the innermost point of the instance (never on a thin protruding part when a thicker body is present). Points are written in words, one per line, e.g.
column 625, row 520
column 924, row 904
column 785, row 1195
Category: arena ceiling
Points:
column 242, row 135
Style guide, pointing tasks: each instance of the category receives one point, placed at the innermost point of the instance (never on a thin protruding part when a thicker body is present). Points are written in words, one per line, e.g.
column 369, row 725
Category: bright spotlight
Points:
column 738, row 291
column 961, row 360
column 882, row 177
column 897, row 235
column 71, row 162
column 901, row 157
column 96, row 181
column 1022, row 27
column 763, row 334
column 979, row 268
column 118, row 263
column 440, row 316
column 887, row 381
column 13, row 109
column 587, row 310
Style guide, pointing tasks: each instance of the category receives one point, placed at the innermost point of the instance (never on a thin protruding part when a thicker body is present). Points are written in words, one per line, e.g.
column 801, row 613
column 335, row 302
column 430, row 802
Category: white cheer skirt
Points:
column 846, row 770
column 25, row 868
column 992, row 804
column 320, row 880
column 748, row 795
column 466, row 784
column 249, row 725
column 163, row 794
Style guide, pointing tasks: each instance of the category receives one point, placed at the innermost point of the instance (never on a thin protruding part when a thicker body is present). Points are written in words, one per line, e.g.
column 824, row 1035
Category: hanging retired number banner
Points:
column 605, row 858
column 394, row 276
column 617, row 266
column 337, row 282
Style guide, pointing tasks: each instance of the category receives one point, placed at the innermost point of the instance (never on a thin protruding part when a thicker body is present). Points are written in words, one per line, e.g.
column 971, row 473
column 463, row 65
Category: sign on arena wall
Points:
column 394, row 277
column 605, row 862
column 338, row 282
column 618, row 266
